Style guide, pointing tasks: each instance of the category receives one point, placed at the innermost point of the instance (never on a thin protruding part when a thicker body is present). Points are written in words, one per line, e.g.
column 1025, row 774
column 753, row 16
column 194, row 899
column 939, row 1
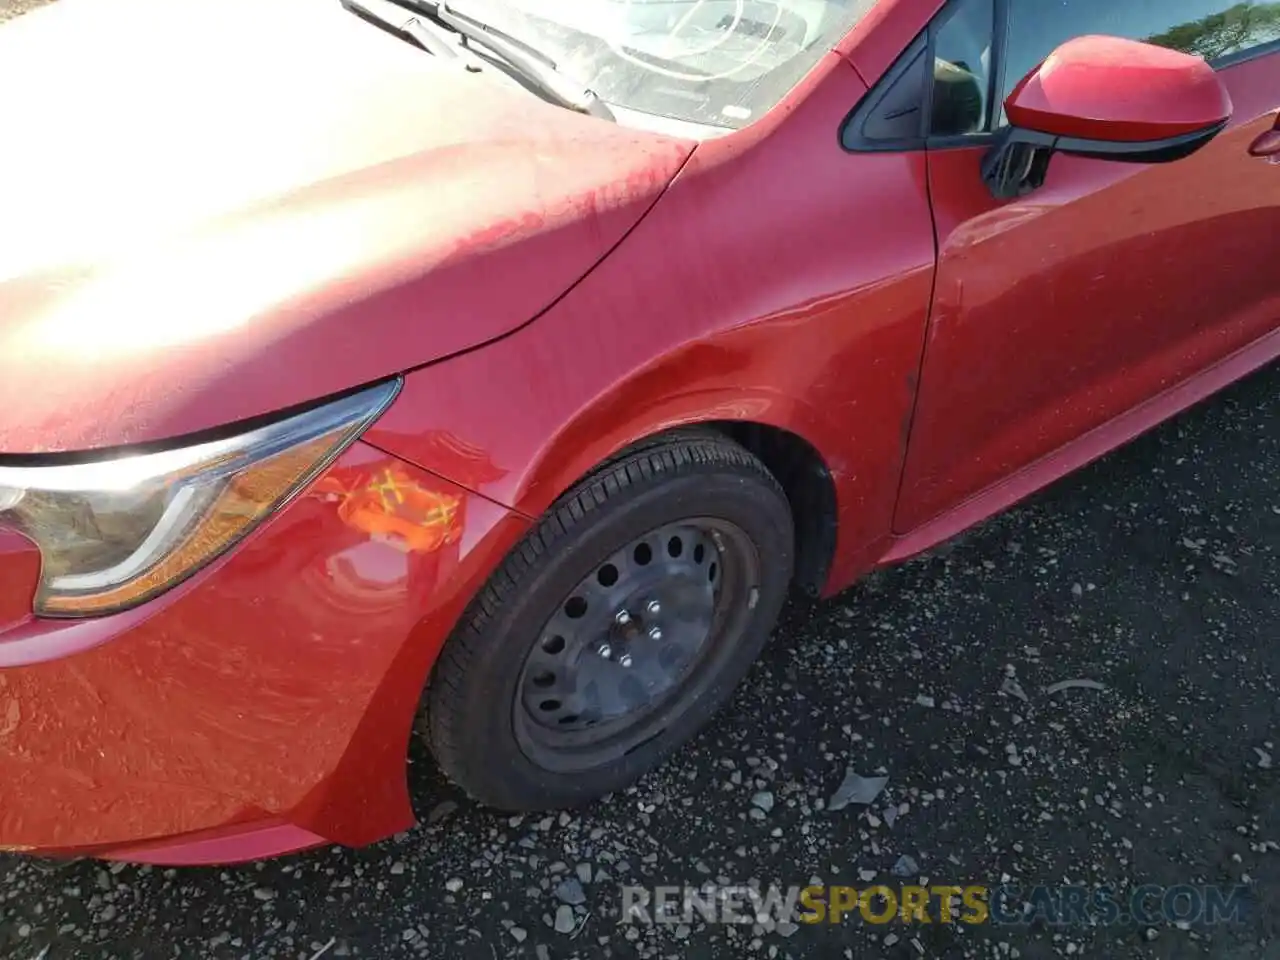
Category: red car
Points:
column 511, row 362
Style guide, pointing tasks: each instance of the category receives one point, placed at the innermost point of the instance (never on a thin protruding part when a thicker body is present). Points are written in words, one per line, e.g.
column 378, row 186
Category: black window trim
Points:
column 850, row 133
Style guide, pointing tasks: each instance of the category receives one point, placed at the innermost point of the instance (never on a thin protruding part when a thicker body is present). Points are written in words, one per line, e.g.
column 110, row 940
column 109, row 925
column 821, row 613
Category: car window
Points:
column 962, row 67
column 1212, row 29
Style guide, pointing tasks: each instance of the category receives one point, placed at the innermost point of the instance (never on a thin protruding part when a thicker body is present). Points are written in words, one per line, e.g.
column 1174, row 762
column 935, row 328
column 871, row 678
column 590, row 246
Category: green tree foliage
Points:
column 1245, row 25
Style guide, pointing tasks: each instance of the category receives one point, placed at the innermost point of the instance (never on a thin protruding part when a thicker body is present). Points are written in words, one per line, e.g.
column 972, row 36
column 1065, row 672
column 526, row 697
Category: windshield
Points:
column 718, row 62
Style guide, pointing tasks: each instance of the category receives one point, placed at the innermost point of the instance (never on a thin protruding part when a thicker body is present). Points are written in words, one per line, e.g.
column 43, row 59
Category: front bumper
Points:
column 263, row 706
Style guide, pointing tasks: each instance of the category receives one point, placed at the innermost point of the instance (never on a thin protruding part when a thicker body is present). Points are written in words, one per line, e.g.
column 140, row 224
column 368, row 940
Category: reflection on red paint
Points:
column 391, row 506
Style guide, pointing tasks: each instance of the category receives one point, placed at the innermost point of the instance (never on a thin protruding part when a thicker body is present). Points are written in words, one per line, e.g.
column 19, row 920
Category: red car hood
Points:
column 215, row 209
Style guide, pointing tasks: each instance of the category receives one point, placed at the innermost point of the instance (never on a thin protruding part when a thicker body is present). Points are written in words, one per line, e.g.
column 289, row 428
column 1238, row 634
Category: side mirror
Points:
column 1107, row 98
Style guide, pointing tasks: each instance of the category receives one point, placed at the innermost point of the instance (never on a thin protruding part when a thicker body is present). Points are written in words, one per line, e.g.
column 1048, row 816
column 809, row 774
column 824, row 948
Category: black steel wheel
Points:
column 630, row 635
column 616, row 629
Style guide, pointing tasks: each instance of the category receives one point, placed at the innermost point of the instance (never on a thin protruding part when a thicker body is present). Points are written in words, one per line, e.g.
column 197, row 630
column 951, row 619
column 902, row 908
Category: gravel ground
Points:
column 1154, row 573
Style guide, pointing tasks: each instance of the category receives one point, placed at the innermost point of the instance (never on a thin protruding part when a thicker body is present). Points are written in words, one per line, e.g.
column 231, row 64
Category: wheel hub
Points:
column 625, row 637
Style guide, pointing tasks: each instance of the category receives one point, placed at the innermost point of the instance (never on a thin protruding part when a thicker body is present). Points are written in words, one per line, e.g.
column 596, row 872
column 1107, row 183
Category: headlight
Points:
column 114, row 533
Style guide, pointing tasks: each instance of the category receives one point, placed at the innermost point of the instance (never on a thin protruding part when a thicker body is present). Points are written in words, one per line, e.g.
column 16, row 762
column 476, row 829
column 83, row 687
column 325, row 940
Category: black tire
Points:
column 474, row 701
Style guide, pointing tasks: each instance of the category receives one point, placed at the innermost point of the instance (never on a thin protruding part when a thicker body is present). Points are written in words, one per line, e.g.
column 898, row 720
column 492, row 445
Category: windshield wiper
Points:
column 532, row 65
column 412, row 30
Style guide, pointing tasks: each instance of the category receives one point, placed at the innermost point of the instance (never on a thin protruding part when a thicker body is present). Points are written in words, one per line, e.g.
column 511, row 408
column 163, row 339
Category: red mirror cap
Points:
column 1110, row 89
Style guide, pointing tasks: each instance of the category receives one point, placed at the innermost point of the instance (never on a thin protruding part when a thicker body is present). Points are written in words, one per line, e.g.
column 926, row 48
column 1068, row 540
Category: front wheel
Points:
column 615, row 629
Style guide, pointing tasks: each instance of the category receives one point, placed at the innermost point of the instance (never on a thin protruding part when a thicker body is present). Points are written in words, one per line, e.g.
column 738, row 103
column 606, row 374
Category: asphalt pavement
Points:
column 1153, row 575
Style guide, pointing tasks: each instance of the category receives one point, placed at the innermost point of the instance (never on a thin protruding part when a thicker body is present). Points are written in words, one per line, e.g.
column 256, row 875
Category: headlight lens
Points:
column 114, row 533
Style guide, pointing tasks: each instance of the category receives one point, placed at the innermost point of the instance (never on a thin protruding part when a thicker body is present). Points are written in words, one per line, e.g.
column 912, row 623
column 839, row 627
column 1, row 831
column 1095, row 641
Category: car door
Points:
column 1057, row 312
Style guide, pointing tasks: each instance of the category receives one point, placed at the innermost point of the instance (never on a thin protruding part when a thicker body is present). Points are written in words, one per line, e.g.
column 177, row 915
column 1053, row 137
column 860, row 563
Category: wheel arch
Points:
column 798, row 467
column 810, row 488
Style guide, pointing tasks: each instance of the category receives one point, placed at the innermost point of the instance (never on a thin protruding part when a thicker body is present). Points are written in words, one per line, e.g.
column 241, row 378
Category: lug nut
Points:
column 605, row 650
column 655, row 633
column 622, row 618
column 625, row 660
column 654, row 608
